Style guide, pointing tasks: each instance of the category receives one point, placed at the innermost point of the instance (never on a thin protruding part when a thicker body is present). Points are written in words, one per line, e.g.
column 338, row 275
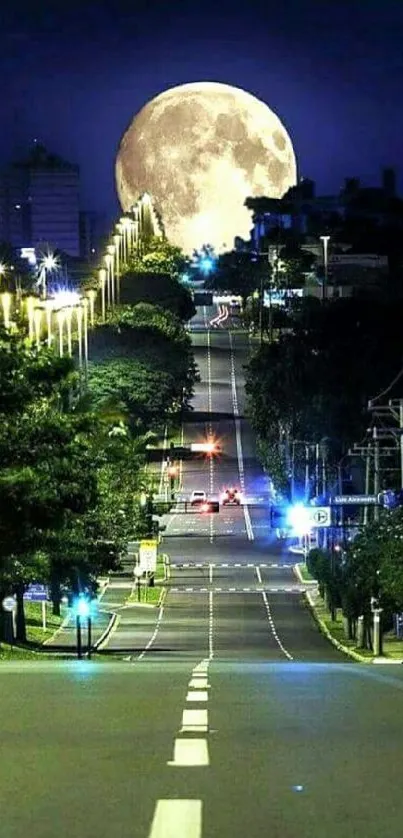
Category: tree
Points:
column 236, row 272
column 157, row 288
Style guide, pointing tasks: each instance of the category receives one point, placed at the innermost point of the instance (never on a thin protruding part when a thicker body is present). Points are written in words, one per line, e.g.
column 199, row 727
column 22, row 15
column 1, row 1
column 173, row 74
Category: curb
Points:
column 324, row 630
column 106, row 634
column 300, row 577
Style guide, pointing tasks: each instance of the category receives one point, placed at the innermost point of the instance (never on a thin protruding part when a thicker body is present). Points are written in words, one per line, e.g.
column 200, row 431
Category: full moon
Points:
column 199, row 150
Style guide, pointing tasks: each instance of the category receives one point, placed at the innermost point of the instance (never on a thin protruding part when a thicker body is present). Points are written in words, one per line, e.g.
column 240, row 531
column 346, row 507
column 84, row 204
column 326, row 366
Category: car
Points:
column 198, row 497
column 231, row 497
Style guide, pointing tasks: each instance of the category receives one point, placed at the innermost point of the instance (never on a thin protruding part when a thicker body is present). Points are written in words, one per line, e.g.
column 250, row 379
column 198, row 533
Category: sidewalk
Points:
column 65, row 638
column 334, row 631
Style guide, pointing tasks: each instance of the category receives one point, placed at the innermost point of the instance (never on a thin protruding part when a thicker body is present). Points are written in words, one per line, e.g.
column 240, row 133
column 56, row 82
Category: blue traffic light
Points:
column 82, row 606
column 300, row 519
column 206, row 264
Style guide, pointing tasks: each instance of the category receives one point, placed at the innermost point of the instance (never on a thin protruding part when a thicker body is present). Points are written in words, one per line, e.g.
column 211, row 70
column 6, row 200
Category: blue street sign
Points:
column 36, row 593
column 364, row 500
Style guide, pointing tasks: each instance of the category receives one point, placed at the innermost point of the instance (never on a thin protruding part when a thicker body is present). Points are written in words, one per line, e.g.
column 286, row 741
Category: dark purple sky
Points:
column 74, row 73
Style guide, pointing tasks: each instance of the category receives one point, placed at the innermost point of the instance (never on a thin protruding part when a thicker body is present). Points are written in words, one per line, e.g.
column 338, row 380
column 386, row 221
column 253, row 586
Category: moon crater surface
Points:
column 199, row 150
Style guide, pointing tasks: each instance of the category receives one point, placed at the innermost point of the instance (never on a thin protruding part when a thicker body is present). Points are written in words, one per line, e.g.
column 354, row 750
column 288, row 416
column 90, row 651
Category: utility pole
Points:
column 367, row 476
column 317, row 469
column 376, row 470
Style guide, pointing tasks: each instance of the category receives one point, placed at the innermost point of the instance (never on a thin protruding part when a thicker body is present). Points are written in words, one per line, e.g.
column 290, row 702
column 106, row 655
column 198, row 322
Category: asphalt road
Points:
column 225, row 712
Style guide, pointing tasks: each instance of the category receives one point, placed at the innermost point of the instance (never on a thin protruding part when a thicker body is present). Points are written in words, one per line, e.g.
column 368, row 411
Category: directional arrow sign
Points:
column 320, row 516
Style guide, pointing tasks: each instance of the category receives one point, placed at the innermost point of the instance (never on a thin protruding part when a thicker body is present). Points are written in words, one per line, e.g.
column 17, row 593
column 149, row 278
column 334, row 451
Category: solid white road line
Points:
column 259, row 575
column 194, row 720
column 211, row 574
column 190, row 752
column 197, row 695
column 177, row 819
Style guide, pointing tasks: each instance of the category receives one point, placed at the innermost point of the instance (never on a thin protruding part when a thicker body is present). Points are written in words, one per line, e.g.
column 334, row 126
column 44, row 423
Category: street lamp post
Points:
column 91, row 294
column 30, row 302
column 108, row 263
column 6, row 303
column 60, row 316
column 111, row 251
column 38, row 322
column 325, row 242
column 102, row 278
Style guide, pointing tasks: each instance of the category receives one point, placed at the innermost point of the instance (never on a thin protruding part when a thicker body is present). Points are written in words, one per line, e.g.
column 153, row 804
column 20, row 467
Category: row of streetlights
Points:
column 125, row 240
column 69, row 314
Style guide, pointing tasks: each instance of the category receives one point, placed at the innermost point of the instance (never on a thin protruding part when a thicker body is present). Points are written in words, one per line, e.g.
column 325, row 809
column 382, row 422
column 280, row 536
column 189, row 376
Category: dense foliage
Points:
column 73, row 471
column 369, row 566
column 316, row 380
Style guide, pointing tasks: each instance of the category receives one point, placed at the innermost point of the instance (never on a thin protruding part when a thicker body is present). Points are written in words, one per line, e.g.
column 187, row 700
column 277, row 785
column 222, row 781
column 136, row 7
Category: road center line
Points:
column 198, row 682
column 194, row 720
column 177, row 819
column 259, row 575
column 197, row 695
column 190, row 752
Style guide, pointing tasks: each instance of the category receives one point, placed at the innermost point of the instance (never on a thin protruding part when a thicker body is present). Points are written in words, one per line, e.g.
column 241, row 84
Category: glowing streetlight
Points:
column 38, row 323
column 6, row 303
column 66, row 301
column 117, row 240
column 91, row 294
column 102, row 279
column 111, row 251
column 49, row 306
column 85, row 335
column 30, row 303
column 79, row 315
column 60, row 316
column 48, row 263
column 108, row 262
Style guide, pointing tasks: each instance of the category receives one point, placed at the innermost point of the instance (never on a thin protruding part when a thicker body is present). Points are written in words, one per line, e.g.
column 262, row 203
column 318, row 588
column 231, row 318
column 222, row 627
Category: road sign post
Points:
column 148, row 558
column 138, row 574
column 9, row 604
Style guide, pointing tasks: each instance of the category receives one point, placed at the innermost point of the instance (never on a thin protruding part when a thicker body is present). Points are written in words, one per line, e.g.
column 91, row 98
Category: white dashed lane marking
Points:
column 194, row 720
column 197, row 695
column 190, row 752
column 177, row 819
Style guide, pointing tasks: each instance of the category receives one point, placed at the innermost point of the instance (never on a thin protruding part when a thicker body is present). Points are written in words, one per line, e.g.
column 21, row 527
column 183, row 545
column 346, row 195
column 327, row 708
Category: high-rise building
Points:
column 39, row 199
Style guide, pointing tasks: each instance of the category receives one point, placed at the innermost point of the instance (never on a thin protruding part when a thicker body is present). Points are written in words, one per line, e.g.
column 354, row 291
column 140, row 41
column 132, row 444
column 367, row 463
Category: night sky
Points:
column 74, row 73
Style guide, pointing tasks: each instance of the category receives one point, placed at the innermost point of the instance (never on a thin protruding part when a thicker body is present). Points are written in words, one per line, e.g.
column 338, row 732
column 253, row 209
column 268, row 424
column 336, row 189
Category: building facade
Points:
column 39, row 199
